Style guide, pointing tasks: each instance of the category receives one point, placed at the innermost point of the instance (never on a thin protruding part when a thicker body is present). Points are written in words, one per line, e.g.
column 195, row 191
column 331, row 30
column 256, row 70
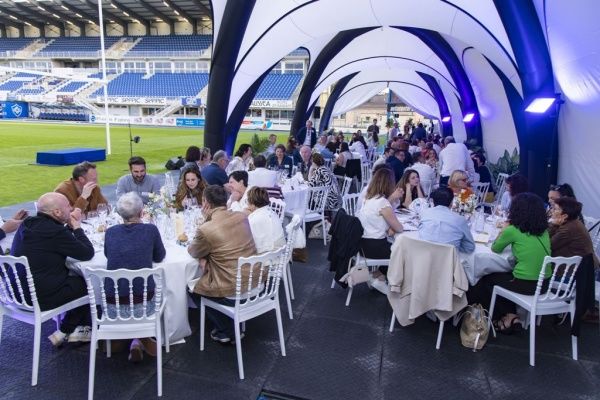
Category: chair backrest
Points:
column 594, row 230
column 365, row 174
column 316, row 199
column 343, row 183
column 278, row 207
column 258, row 278
column 328, row 163
column 427, row 186
column 12, row 292
column 562, row 281
column 291, row 230
column 371, row 151
column 130, row 309
column 350, row 203
column 294, row 170
column 500, row 185
column 481, row 190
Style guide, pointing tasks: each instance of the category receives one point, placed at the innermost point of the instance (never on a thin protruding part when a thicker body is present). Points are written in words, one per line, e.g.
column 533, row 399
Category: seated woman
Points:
column 280, row 160
column 377, row 215
column 411, row 185
column 458, row 182
column 241, row 160
column 342, row 158
column 132, row 245
column 515, row 184
column 559, row 191
column 319, row 176
column 265, row 225
column 485, row 176
column 190, row 188
column 237, row 187
column 359, row 146
column 192, row 158
column 527, row 234
column 205, row 157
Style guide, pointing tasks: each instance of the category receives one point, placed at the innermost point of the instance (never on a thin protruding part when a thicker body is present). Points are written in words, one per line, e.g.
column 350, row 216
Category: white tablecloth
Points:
column 6, row 243
column 295, row 199
column 180, row 268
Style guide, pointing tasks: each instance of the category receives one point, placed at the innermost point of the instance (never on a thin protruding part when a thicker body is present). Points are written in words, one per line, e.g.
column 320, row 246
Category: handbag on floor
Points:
column 474, row 330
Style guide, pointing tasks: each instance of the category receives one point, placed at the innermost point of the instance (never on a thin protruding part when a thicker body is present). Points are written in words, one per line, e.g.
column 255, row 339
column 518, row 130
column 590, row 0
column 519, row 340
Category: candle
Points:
column 178, row 224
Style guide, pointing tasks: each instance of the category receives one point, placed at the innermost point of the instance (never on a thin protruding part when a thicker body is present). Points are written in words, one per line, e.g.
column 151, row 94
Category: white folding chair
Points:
column 343, row 183
column 500, row 185
column 481, row 190
column 328, row 164
column 371, row 263
column 14, row 304
column 278, row 207
column 316, row 199
column 288, row 286
column 256, row 293
column 350, row 203
column 560, row 298
column 126, row 321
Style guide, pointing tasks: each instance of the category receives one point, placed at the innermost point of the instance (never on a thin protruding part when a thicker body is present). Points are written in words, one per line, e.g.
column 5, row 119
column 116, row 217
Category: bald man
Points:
column 47, row 239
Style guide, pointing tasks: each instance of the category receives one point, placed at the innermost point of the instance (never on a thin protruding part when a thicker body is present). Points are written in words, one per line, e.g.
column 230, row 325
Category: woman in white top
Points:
column 359, row 146
column 343, row 156
column 265, row 225
column 241, row 160
column 377, row 215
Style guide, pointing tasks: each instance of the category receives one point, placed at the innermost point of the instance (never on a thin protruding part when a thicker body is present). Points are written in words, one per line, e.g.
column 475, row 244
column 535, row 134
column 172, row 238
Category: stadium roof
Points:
column 38, row 13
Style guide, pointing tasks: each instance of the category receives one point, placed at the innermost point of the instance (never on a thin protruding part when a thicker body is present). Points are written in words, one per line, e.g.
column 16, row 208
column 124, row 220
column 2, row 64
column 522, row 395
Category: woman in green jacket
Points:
column 528, row 237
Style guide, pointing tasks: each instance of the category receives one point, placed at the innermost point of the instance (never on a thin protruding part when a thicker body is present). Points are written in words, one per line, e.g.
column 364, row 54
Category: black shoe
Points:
column 220, row 337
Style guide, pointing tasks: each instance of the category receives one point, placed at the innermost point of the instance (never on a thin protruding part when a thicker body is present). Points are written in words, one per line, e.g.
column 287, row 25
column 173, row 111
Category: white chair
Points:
column 256, row 293
column 500, row 185
column 350, row 203
column 278, row 207
column 123, row 321
column 13, row 304
column 371, row 263
column 291, row 230
column 560, row 298
column 481, row 190
column 366, row 174
column 593, row 227
column 316, row 199
column 328, row 164
column 343, row 183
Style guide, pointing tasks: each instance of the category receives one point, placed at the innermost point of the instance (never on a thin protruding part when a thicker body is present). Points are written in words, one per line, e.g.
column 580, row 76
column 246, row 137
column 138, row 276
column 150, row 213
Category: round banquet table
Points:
column 295, row 199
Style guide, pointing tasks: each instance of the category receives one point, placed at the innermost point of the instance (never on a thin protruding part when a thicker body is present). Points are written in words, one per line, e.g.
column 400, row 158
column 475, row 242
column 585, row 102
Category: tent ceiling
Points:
column 56, row 12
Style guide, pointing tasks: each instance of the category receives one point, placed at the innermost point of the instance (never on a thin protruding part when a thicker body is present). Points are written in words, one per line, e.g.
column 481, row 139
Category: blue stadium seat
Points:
column 82, row 44
column 158, row 85
column 172, row 43
column 277, row 86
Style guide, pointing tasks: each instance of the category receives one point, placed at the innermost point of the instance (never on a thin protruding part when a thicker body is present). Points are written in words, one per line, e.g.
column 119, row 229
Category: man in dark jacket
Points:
column 47, row 240
column 307, row 135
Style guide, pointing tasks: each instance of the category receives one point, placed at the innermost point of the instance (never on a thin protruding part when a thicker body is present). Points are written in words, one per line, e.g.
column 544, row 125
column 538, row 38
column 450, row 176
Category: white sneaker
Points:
column 81, row 334
column 57, row 338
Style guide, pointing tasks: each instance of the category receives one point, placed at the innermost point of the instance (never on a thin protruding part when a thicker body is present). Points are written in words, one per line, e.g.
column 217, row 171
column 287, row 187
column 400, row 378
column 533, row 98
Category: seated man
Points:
column 441, row 225
column 261, row 176
column 82, row 189
column 132, row 245
column 238, row 190
column 47, row 242
column 214, row 173
column 138, row 181
column 302, row 160
column 321, row 143
column 219, row 242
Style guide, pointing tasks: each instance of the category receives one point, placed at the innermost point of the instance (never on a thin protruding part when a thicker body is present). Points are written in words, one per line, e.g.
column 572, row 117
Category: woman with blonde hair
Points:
column 377, row 215
column 410, row 183
column 459, row 183
column 190, row 188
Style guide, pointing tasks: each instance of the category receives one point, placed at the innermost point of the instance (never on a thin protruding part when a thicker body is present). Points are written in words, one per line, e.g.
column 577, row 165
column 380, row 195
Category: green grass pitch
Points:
column 22, row 181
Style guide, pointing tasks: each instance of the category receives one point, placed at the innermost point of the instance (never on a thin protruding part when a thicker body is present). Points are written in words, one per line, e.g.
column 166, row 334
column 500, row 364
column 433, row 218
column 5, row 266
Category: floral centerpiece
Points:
column 464, row 202
column 158, row 203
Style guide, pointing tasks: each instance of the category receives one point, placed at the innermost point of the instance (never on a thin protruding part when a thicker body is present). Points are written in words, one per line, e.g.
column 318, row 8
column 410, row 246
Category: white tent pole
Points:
column 104, row 85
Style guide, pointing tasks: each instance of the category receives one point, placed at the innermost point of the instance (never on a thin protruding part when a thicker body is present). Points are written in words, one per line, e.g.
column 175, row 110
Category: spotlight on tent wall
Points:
column 540, row 105
column 468, row 117
column 446, row 118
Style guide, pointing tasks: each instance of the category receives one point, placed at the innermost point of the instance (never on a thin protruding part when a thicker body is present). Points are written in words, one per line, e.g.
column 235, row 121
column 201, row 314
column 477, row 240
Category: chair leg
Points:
column 539, row 320
column 238, row 348
column 289, row 275
column 280, row 329
column 532, row 328
column 439, row 338
column 202, row 323
column 349, row 296
column 159, row 340
column 92, row 368
column 108, row 349
column 392, row 322
column 286, row 289
column 324, row 233
column 573, row 338
column 166, row 338
column 492, row 304
column 37, row 334
column 333, row 283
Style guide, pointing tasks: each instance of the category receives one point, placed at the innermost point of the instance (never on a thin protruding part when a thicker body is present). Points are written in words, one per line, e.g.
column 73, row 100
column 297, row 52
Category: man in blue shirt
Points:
column 214, row 173
column 439, row 224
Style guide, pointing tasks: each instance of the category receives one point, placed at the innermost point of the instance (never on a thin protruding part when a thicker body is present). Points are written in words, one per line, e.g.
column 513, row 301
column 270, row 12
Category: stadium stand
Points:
column 13, row 44
column 72, row 87
column 171, row 43
column 278, row 86
column 157, row 85
column 70, row 45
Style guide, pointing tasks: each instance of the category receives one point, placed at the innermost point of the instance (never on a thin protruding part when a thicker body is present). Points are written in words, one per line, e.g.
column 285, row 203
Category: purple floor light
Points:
column 540, row 105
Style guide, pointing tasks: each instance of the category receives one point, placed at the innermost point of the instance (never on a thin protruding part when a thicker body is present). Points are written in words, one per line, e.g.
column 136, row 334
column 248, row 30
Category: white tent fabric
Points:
column 574, row 41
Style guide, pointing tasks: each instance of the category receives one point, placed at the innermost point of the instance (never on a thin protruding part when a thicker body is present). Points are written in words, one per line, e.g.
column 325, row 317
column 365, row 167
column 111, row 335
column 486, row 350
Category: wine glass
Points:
column 102, row 212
